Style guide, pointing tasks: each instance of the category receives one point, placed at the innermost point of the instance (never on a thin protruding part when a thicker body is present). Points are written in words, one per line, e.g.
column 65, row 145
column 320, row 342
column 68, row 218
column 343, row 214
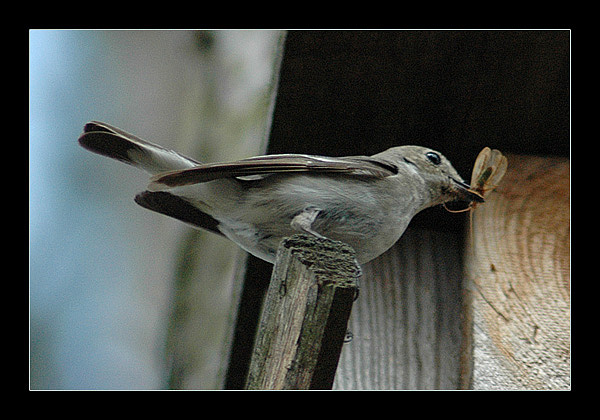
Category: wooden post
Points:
column 518, row 265
column 305, row 315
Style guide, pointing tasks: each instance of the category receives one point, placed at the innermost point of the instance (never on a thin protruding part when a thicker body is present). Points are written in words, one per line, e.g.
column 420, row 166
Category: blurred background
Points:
column 107, row 277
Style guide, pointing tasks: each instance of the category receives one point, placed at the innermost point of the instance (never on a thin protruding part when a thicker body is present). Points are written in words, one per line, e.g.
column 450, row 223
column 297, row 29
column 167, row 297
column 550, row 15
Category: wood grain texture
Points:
column 406, row 323
column 305, row 315
column 518, row 264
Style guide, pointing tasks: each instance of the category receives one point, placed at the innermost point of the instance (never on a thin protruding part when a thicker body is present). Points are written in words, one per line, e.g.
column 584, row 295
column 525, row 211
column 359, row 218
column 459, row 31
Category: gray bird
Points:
column 364, row 201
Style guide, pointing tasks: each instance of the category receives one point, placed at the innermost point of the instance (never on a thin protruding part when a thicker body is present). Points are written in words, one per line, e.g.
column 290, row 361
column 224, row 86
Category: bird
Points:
column 367, row 202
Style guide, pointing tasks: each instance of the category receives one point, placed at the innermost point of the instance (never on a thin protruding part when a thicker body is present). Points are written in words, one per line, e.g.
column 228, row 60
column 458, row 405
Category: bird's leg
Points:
column 303, row 221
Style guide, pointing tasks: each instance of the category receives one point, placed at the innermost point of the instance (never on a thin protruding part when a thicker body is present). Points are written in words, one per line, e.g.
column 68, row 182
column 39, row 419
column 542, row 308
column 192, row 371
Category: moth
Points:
column 489, row 169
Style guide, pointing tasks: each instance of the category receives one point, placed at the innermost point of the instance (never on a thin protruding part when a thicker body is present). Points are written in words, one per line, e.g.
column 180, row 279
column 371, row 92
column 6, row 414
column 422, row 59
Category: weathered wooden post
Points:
column 305, row 315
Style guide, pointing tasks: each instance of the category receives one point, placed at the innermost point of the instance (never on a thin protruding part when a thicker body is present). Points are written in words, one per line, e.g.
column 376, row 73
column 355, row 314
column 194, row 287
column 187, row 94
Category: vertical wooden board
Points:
column 518, row 264
column 406, row 322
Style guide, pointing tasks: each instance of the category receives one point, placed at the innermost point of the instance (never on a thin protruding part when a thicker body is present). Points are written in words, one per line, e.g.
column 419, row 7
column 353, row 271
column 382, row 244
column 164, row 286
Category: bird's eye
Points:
column 433, row 158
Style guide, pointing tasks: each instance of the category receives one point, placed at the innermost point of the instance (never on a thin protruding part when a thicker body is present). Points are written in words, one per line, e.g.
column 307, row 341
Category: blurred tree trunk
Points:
column 225, row 116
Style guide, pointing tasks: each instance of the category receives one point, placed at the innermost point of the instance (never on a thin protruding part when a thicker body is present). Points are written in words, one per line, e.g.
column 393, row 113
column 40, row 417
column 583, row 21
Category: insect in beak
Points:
column 468, row 194
column 490, row 166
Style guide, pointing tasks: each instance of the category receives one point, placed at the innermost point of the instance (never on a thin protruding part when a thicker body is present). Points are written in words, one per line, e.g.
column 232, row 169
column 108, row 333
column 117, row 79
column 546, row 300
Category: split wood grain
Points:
column 304, row 320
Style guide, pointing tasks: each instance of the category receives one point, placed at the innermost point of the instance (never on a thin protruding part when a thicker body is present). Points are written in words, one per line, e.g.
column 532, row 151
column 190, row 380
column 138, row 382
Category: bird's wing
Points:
column 171, row 205
column 361, row 166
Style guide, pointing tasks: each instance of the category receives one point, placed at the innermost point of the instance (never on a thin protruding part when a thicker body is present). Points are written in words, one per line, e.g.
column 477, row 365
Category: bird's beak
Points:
column 465, row 193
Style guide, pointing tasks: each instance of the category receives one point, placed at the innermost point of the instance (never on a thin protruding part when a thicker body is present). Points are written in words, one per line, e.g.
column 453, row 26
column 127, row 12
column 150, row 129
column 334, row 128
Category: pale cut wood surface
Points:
column 518, row 262
column 406, row 323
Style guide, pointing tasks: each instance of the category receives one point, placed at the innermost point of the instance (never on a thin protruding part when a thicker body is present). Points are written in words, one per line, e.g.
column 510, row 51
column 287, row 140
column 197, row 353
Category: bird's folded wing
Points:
column 361, row 166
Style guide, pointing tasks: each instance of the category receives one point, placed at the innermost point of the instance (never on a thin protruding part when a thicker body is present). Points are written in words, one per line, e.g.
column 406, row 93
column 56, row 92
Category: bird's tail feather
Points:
column 110, row 141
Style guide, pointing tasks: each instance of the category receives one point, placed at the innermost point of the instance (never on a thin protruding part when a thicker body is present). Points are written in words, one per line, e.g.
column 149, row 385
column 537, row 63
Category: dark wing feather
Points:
column 178, row 208
column 273, row 164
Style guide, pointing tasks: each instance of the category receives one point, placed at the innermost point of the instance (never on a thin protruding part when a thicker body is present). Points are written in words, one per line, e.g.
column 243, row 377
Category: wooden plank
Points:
column 519, row 266
column 305, row 315
column 406, row 324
